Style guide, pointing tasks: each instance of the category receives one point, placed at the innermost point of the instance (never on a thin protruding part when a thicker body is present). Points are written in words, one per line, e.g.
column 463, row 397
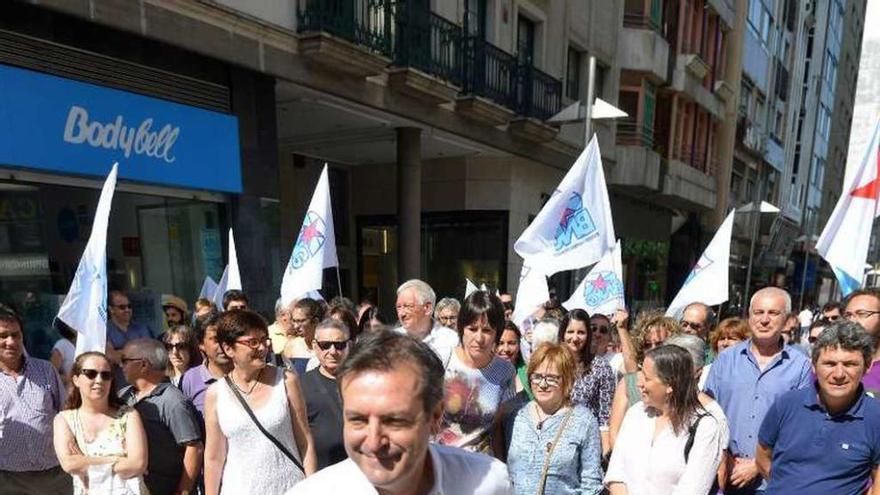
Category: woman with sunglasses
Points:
column 669, row 442
column 98, row 440
column 555, row 446
column 594, row 383
column 651, row 331
column 240, row 457
column 304, row 317
column 183, row 351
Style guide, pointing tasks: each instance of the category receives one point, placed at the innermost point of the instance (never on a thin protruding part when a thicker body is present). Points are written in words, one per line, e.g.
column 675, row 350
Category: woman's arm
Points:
column 617, row 489
column 301, row 432
column 606, row 397
column 71, row 458
column 135, row 461
column 621, row 323
column 215, row 443
column 619, row 405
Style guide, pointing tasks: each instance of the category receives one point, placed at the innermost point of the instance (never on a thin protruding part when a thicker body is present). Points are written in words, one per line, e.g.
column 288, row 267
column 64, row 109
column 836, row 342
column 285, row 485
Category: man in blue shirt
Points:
column 121, row 330
column 747, row 378
column 825, row 438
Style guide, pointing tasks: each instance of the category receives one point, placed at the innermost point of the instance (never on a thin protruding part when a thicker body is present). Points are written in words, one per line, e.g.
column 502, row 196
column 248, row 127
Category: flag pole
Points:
column 338, row 281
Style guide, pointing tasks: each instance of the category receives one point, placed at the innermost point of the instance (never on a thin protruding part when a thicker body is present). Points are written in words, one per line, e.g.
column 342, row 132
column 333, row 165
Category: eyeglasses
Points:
column 549, row 380
column 603, row 329
column 92, row 374
column 448, row 319
column 299, row 321
column 122, row 306
column 811, row 339
column 180, row 346
column 862, row 314
column 325, row 345
column 689, row 324
column 254, row 343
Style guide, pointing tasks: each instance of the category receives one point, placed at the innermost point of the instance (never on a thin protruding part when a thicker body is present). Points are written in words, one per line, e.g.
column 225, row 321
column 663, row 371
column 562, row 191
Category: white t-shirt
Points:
column 441, row 339
column 455, row 472
column 657, row 467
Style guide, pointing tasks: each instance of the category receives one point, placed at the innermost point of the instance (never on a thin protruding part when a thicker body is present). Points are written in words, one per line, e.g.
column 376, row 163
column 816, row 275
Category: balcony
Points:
column 429, row 57
column 631, row 133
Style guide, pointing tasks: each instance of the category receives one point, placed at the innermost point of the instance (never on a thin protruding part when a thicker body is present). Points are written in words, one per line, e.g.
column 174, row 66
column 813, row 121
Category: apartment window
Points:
column 599, row 83
column 525, row 40
column 475, row 18
column 760, row 21
column 573, row 74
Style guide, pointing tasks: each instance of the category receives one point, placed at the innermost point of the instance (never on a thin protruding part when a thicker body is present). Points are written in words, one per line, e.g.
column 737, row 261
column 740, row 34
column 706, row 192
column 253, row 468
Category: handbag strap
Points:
column 550, row 448
column 259, row 426
column 692, row 432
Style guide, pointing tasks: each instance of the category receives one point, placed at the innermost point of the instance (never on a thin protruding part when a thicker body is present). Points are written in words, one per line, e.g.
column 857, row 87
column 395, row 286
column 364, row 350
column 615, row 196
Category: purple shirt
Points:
column 28, row 404
column 194, row 384
column 871, row 380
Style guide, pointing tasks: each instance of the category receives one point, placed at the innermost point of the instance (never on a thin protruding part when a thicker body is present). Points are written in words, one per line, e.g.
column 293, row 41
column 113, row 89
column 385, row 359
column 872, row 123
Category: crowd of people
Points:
column 454, row 398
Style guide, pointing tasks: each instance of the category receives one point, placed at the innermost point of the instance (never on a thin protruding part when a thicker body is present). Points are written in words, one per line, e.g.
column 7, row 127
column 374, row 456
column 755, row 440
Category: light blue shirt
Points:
column 575, row 464
column 745, row 392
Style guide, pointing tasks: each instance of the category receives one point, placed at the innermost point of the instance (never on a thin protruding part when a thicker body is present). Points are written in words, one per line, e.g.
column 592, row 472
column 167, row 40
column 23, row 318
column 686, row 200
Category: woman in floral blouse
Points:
column 594, row 385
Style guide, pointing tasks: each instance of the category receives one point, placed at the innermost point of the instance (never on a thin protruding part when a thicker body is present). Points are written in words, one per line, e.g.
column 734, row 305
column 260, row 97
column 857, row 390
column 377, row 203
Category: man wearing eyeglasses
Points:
column 174, row 433
column 863, row 307
column 31, row 393
column 321, row 391
column 120, row 330
column 415, row 307
column 747, row 378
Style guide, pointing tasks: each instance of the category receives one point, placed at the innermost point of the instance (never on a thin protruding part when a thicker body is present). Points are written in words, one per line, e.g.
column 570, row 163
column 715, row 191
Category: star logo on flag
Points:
column 599, row 283
column 604, row 287
column 871, row 190
column 310, row 240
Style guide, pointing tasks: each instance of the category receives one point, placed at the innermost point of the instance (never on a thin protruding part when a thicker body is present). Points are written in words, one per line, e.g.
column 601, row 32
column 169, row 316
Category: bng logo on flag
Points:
column 701, row 265
column 602, row 287
column 575, row 226
column 311, row 239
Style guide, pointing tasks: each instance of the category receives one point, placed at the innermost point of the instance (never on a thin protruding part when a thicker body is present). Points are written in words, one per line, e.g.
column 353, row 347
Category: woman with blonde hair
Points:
column 98, row 440
column 554, row 446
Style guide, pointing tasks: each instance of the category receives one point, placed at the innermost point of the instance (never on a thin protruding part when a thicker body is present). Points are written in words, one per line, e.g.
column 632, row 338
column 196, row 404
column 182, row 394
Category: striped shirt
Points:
column 28, row 404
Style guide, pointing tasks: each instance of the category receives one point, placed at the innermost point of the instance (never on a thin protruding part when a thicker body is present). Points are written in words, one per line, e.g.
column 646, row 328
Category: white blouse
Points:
column 657, row 467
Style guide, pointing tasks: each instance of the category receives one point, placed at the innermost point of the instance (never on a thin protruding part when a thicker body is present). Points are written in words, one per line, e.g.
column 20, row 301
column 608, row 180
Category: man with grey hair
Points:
column 392, row 401
column 174, row 436
column 415, row 307
column 748, row 377
column 446, row 312
column 698, row 319
column 843, row 452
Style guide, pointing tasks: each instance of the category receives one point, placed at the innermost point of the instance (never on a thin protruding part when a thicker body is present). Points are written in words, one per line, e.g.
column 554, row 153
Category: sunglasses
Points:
column 603, row 329
column 180, row 346
column 812, row 339
column 92, row 374
column 122, row 306
column 326, row 345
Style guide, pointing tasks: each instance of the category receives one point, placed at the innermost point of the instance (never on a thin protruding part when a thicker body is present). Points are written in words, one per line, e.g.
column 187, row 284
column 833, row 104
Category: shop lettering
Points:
column 116, row 136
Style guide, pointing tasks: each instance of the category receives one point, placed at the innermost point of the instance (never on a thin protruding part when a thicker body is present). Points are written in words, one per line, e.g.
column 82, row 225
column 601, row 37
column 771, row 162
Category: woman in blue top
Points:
column 555, row 445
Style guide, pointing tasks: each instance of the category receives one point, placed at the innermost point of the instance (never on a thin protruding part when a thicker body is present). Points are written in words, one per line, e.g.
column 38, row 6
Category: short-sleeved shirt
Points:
column 171, row 422
column 814, row 452
column 194, row 384
column 471, row 397
column 871, row 380
column 443, row 340
column 324, row 406
column 745, row 392
column 117, row 338
column 28, row 404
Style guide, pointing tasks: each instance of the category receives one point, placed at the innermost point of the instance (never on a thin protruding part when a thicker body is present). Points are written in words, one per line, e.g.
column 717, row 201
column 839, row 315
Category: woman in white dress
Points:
column 98, row 440
column 256, row 465
column 669, row 444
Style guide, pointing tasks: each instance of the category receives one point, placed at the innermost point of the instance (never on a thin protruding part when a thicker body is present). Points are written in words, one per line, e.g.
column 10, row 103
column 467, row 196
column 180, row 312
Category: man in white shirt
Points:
column 415, row 309
column 392, row 401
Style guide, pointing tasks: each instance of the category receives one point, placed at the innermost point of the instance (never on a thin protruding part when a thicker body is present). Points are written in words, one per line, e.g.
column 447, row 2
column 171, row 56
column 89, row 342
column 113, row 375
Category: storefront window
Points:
column 155, row 245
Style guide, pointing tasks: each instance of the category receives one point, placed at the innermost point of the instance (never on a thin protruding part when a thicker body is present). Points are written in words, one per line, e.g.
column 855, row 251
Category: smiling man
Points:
column 844, row 451
column 415, row 308
column 392, row 398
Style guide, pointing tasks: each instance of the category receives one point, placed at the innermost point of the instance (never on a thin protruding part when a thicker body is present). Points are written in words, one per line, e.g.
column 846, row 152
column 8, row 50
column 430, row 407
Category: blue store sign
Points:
column 56, row 124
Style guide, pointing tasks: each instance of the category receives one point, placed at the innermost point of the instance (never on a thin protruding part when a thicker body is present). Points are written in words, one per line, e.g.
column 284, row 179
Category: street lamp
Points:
column 755, row 207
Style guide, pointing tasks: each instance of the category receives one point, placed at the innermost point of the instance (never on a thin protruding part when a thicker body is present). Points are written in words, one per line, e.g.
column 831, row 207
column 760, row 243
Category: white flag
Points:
column 209, row 288
column 531, row 294
column 221, row 288
column 574, row 229
column 85, row 307
column 601, row 291
column 483, row 287
column 233, row 282
column 707, row 282
column 315, row 247
column 469, row 287
column 845, row 239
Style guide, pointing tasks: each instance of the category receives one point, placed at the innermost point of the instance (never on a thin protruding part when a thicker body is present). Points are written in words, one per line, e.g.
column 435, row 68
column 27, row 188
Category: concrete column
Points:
column 409, row 202
column 726, row 139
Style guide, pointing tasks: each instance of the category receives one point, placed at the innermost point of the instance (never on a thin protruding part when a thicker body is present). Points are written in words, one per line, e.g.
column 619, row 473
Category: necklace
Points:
column 256, row 382
column 538, row 416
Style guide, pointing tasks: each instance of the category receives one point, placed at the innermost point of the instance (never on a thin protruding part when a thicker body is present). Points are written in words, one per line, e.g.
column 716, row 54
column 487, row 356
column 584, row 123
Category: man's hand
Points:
column 744, row 471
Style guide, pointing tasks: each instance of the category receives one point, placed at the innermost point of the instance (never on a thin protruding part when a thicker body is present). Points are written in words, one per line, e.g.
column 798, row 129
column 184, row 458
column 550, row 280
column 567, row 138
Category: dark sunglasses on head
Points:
column 92, row 374
column 326, row 345
column 180, row 346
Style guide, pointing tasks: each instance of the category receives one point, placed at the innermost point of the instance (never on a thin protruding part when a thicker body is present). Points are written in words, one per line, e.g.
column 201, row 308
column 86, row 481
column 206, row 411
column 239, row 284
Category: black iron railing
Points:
column 540, row 94
column 431, row 44
column 491, row 72
column 368, row 23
